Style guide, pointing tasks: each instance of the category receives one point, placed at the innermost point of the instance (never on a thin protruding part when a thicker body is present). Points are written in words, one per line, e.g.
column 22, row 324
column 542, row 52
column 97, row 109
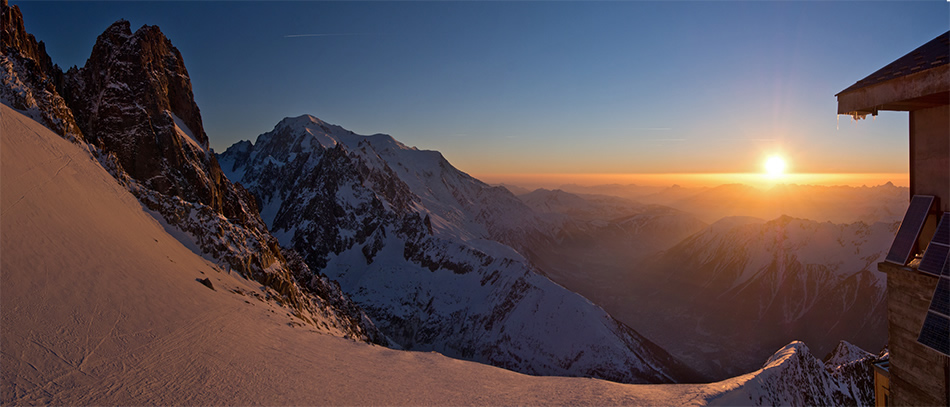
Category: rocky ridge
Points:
column 792, row 376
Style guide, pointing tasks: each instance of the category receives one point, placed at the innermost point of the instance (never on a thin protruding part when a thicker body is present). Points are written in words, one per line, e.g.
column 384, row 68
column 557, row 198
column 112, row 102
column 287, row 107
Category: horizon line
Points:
column 758, row 179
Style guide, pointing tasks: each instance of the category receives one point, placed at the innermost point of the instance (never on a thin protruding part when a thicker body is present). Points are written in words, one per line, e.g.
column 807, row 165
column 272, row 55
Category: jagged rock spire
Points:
column 31, row 82
column 134, row 98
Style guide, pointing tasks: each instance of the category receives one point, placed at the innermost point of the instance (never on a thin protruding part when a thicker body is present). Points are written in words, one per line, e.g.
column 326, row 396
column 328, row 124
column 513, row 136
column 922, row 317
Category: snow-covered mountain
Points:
column 132, row 107
column 432, row 253
column 419, row 181
column 792, row 376
column 755, row 284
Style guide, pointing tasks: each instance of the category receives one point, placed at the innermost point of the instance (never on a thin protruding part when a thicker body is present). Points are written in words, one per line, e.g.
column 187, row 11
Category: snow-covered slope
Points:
column 99, row 299
column 759, row 284
column 416, row 243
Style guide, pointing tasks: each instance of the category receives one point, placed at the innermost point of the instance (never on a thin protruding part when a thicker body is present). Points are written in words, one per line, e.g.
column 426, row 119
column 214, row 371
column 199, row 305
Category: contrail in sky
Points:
column 321, row 35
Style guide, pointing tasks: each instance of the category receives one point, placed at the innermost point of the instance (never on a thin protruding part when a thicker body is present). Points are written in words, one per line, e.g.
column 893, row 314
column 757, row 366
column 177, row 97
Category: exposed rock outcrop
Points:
column 133, row 97
column 30, row 81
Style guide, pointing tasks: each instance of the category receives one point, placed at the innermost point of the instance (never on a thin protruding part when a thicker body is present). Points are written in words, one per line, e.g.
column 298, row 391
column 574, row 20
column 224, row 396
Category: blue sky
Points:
column 540, row 87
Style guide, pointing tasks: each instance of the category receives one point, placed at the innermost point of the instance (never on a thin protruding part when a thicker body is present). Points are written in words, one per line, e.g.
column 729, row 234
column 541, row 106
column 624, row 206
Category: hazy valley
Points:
column 724, row 295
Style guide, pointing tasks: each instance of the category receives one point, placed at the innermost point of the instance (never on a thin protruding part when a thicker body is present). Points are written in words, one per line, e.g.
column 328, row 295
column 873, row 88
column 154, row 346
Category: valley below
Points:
column 723, row 296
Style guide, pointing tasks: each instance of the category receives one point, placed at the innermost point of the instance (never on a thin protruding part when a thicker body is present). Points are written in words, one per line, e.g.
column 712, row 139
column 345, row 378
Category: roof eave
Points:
column 928, row 88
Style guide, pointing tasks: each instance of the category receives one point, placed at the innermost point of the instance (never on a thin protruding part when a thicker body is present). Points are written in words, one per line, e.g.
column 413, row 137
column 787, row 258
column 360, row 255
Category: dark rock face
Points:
column 853, row 368
column 133, row 97
column 15, row 37
column 30, row 79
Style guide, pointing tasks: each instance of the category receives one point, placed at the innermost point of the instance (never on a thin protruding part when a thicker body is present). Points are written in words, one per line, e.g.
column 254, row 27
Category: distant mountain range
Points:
column 838, row 204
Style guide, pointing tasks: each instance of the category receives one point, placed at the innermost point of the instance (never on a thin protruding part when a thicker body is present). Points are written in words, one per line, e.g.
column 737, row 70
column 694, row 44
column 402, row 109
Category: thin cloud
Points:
column 322, row 35
column 655, row 129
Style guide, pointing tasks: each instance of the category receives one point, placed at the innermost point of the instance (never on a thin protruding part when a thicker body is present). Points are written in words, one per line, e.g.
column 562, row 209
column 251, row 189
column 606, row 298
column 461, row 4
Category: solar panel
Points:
column 935, row 258
column 941, row 299
column 935, row 333
column 907, row 235
column 942, row 235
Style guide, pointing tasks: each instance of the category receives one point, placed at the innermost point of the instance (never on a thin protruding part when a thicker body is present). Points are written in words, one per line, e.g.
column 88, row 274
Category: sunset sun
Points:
column 775, row 166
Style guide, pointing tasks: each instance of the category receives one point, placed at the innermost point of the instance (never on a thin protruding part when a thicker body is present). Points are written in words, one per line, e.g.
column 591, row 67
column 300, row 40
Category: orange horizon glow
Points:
column 759, row 180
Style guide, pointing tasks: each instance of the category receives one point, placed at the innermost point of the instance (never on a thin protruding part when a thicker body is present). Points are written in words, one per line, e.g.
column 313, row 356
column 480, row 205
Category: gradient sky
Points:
column 540, row 87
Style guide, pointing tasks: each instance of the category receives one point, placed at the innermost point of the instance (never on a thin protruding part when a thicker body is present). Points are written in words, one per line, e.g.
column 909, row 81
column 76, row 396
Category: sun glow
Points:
column 775, row 166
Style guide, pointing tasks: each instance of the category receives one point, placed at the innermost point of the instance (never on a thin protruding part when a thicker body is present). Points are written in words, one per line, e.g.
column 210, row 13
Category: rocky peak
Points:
column 303, row 121
column 845, row 353
column 31, row 82
column 133, row 97
column 146, row 60
column 17, row 40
